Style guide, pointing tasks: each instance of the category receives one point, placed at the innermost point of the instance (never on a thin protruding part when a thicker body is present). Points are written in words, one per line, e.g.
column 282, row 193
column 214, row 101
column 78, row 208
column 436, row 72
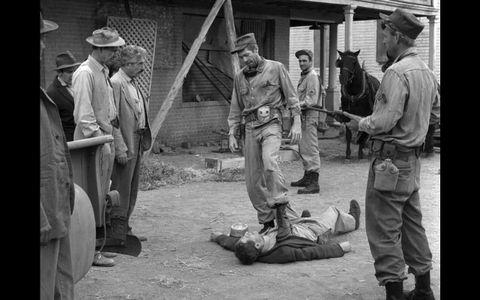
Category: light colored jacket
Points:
column 309, row 91
column 406, row 102
column 128, row 115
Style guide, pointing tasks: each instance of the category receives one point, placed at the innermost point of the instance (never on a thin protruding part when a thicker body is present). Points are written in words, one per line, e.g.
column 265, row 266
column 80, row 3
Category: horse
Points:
column 358, row 95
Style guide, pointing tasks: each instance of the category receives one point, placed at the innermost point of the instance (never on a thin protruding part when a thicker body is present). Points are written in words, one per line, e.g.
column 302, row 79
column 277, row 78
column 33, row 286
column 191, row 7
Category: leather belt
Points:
column 252, row 116
column 384, row 150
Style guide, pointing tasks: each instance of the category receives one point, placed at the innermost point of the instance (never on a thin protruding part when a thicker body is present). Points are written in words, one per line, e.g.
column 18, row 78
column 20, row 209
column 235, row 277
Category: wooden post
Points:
column 178, row 83
column 431, row 43
column 348, row 12
column 231, row 34
column 332, row 70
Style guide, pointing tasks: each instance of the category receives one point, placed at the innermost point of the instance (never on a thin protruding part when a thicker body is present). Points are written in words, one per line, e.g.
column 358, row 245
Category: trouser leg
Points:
column 308, row 145
column 64, row 280
column 48, row 268
column 271, row 140
column 254, row 177
column 335, row 220
column 393, row 224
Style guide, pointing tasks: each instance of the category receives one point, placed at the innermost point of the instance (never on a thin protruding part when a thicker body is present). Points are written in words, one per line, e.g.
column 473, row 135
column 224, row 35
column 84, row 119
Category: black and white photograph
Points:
column 240, row 149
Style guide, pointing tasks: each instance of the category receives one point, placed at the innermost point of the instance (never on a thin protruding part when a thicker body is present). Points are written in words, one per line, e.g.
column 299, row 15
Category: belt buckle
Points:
column 263, row 113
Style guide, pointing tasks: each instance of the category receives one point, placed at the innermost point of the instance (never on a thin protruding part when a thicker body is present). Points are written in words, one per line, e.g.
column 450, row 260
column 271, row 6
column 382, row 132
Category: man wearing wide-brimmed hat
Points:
column 95, row 113
column 61, row 92
column 407, row 100
column 57, row 194
column 261, row 90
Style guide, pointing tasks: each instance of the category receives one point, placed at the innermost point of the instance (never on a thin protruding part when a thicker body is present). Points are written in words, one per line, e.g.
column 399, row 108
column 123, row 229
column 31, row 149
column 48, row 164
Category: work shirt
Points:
column 308, row 90
column 137, row 97
column 271, row 86
column 407, row 101
column 93, row 97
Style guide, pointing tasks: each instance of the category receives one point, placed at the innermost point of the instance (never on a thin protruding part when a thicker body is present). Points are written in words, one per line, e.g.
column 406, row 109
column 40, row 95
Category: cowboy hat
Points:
column 106, row 37
column 403, row 22
column 243, row 41
column 46, row 25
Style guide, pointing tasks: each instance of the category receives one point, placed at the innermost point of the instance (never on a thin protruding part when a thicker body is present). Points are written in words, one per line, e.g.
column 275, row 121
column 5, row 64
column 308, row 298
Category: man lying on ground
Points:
column 295, row 238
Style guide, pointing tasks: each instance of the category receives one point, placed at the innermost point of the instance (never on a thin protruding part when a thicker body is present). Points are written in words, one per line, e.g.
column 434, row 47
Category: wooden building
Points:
column 168, row 29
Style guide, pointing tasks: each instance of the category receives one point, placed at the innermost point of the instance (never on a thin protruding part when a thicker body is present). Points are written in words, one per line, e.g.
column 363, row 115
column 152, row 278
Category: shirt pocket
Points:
column 270, row 84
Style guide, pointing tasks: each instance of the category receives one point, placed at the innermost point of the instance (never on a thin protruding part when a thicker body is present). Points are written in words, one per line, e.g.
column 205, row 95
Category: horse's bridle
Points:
column 351, row 74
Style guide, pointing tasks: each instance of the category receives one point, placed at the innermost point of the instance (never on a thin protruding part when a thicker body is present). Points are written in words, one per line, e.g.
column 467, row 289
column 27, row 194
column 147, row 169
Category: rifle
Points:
column 337, row 115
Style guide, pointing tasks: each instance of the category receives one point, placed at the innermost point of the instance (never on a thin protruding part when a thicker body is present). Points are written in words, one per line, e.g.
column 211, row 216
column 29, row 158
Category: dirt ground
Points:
column 179, row 262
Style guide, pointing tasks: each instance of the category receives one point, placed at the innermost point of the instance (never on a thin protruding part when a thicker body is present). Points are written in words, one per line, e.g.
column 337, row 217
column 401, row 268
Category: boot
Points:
column 355, row 212
column 394, row 290
column 119, row 228
column 284, row 230
column 266, row 226
column 302, row 182
column 422, row 290
column 312, row 186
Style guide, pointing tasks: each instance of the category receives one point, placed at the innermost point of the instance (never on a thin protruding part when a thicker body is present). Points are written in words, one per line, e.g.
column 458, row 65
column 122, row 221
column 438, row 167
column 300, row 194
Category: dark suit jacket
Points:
column 64, row 101
column 292, row 249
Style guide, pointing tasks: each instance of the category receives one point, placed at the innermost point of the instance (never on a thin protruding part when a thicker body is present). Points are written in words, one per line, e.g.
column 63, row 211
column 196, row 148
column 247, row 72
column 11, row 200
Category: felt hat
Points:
column 243, row 41
column 65, row 60
column 304, row 52
column 46, row 25
column 403, row 22
column 106, row 37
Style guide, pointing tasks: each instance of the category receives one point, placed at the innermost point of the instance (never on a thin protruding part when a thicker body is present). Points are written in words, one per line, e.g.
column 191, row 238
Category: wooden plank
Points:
column 225, row 163
column 231, row 34
column 178, row 83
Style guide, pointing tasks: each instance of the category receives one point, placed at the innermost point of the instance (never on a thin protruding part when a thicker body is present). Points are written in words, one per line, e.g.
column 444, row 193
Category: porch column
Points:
column 323, row 52
column 431, row 42
column 348, row 12
column 332, row 70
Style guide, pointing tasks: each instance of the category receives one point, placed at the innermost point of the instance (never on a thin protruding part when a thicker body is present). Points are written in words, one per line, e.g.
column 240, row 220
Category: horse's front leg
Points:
column 348, row 137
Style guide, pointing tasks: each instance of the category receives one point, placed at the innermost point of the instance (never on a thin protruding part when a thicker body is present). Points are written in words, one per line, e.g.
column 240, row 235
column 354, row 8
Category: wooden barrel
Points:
column 82, row 234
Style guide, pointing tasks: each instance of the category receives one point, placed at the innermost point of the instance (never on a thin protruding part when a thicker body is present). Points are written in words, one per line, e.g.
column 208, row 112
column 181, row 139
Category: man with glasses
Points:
column 61, row 91
column 94, row 112
column 135, row 136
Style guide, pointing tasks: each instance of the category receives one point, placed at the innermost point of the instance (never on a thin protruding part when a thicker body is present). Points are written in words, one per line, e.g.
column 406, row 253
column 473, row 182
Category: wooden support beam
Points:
column 178, row 83
column 231, row 34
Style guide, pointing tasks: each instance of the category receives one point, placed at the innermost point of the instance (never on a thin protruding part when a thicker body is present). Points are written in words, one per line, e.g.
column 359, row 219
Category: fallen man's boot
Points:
column 302, row 182
column 283, row 224
column 306, row 214
column 422, row 290
column 312, row 186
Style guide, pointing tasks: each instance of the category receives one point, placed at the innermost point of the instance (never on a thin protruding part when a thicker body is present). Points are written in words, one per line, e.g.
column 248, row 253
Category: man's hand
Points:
column 296, row 130
column 214, row 235
column 122, row 159
column 45, row 235
column 354, row 119
column 232, row 143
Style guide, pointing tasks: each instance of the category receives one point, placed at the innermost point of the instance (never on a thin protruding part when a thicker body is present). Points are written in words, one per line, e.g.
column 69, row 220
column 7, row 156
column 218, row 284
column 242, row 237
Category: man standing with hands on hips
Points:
column 406, row 100
column 260, row 89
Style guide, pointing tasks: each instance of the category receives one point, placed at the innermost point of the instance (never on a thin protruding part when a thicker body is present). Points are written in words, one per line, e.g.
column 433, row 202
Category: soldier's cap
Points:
column 304, row 52
column 403, row 22
column 243, row 41
column 65, row 60
column 46, row 25
column 106, row 37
